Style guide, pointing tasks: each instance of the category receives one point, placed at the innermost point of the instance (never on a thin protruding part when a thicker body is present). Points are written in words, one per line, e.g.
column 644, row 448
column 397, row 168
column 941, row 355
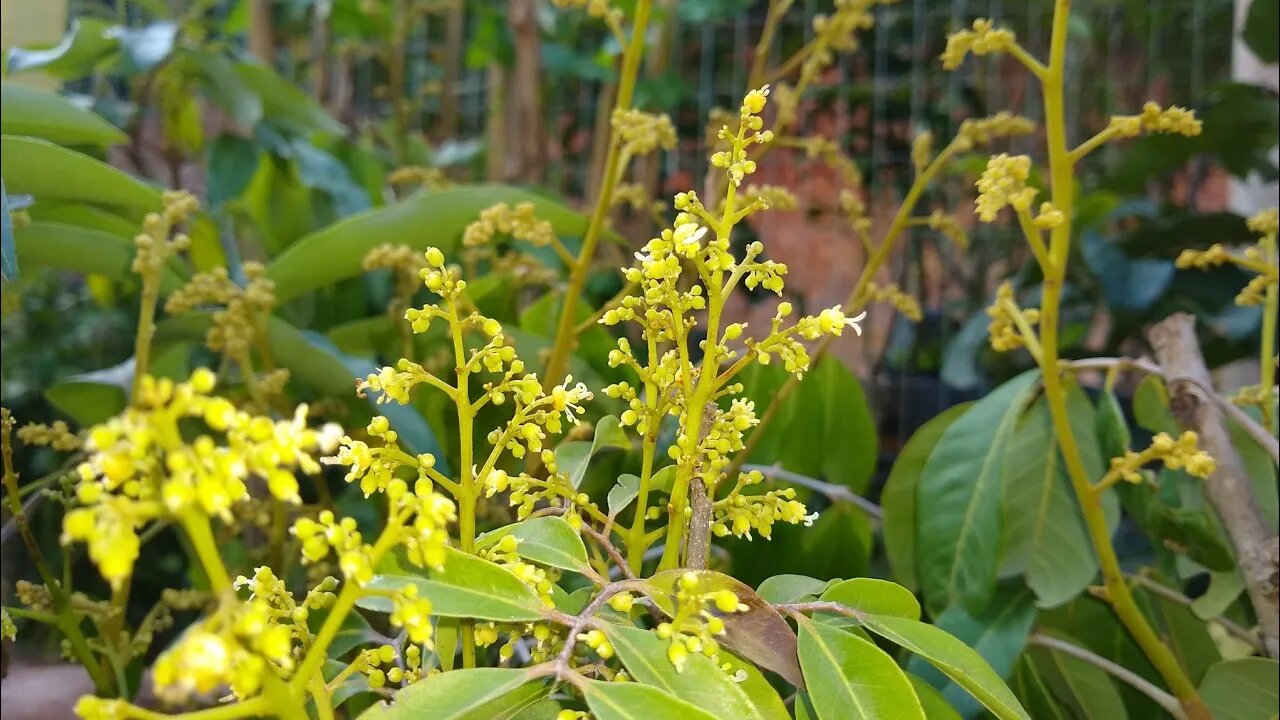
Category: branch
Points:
column 1169, row 593
column 1228, row 489
column 834, row 493
column 1160, row 697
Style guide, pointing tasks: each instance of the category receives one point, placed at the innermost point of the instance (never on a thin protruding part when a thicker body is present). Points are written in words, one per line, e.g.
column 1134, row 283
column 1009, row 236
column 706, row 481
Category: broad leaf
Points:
column 572, row 457
column 466, row 587
column 898, row 499
column 634, row 701
column 222, row 85
column 547, row 540
column 52, row 117
column 935, row 706
column 473, row 694
column 623, row 493
column 1242, row 689
column 700, row 681
column 999, row 635
column 86, row 45
column 284, row 104
column 831, row 434
column 79, row 249
column 958, row 499
column 781, row 589
column 1113, row 429
column 955, row 659
column 849, row 677
column 877, row 597
column 443, row 215
column 50, row 172
column 87, row 402
column 1081, row 686
column 1045, row 535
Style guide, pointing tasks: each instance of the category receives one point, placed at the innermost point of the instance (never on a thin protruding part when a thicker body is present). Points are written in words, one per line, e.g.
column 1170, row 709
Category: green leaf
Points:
column 572, row 457
column 898, row 499
column 52, row 117
column 700, row 681
column 1034, row 692
column 354, row 684
column 1224, row 588
column 443, row 214
column 284, row 103
column 1260, row 469
column 1082, row 686
column 85, row 401
column 466, row 587
column 1113, row 429
column 222, row 85
column 781, row 589
column 999, row 635
column 446, row 638
column 547, row 540
column 87, row 45
column 45, row 171
column 232, row 162
column 1185, row 634
column 85, row 215
column 81, row 249
column 958, row 499
column 1045, row 535
column 473, row 694
column 1242, row 689
column 831, row 434
column 623, row 493
column 878, row 597
column 955, row 659
column 1259, row 31
column 1151, row 406
column 354, row 632
column 849, row 677
column 634, row 701
column 759, row 634
column 935, row 706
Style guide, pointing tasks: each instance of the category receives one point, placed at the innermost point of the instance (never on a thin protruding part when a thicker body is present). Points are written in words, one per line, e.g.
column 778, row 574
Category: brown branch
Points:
column 1228, row 489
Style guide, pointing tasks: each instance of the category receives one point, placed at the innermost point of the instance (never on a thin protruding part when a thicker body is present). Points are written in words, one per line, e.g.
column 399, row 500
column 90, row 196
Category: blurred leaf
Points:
column 1081, row 686
column 849, row 677
column 999, row 635
column 572, row 457
column 1151, row 406
column 1185, row 634
column 955, row 659
column 1259, row 468
column 87, row 45
column 1034, row 693
column 443, row 214
column 935, row 706
column 87, row 402
column 354, row 684
column 1260, row 30
column 898, row 499
column 319, row 169
column 84, row 215
column 80, row 249
column 8, row 251
column 878, row 597
column 960, row 359
column 222, row 85
column 1242, row 689
column 231, row 161
column 1129, row 284
column 1224, row 588
column 466, row 586
column 831, row 434
column 52, row 117
column 143, row 48
column 1114, row 437
column 699, row 681
column 284, row 103
column 471, row 694
column 635, row 701
column 50, row 172
column 547, row 540
column 958, row 499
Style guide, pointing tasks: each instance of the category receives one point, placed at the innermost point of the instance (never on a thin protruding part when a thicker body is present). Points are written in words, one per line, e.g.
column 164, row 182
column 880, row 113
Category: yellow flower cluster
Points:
column 541, row 580
column 526, row 492
column 154, row 245
column 518, row 223
column 734, row 160
column 1173, row 120
column 427, row 178
column 979, row 132
column 829, row 152
column 697, row 620
column 1004, row 312
column 546, row 642
column 774, row 197
column 405, row 264
column 640, row 133
column 950, row 227
column 372, row 661
column 739, row 514
column 57, row 436
column 8, row 630
column 982, row 39
column 1175, row 454
column 1259, row 258
column 855, row 209
column 1004, row 182
column 599, row 9
column 243, row 310
column 141, row 467
column 895, row 296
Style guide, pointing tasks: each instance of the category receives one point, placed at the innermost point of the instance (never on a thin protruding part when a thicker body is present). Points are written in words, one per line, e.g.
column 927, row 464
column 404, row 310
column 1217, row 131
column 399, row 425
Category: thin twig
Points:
column 834, row 493
column 1169, row 593
column 1166, row 701
column 609, row 548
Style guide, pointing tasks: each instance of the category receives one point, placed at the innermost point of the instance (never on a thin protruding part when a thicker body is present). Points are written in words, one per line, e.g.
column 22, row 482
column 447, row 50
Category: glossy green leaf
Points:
column 831, row 434
column 573, row 457
column 466, row 587
column 52, row 117
column 473, row 694
column 1243, row 689
column 958, row 499
column 999, row 635
column 849, row 677
column 45, row 171
column 781, row 589
column 86, row 402
column 898, row 499
column 446, row 637
column 1045, row 535
column 547, row 540
column 878, row 597
column 80, row 249
column 1082, row 686
column 635, row 701
column 84, row 215
column 430, row 219
column 623, row 493
column 935, row 706
column 758, row 634
column 700, row 681
column 955, row 659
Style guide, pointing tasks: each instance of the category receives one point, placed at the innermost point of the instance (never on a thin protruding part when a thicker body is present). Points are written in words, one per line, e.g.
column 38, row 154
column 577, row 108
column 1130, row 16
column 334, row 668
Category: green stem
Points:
column 200, row 531
column 635, row 537
column 467, row 491
column 1270, row 309
column 565, row 339
column 1063, row 189
column 146, row 325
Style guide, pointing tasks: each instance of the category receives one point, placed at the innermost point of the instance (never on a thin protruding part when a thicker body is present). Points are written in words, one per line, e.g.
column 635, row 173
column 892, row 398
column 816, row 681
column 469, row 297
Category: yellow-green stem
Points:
column 467, row 491
column 146, row 325
column 200, row 532
column 565, row 339
column 1270, row 309
column 1117, row 593
column 635, row 538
